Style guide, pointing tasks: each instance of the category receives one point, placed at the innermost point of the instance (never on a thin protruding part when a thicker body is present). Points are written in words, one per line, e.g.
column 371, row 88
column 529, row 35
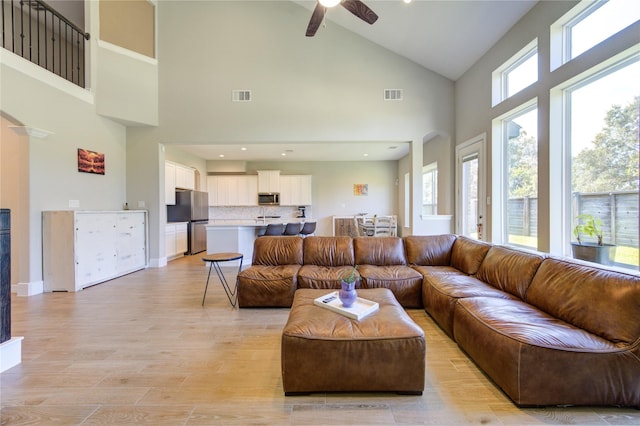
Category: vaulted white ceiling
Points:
column 447, row 37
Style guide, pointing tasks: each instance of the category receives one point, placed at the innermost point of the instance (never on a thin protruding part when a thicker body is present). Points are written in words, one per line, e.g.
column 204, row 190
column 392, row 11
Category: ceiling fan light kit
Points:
column 356, row 7
column 329, row 3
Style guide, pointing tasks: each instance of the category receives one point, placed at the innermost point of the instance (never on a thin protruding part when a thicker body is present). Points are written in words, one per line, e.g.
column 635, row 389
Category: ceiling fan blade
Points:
column 361, row 10
column 316, row 19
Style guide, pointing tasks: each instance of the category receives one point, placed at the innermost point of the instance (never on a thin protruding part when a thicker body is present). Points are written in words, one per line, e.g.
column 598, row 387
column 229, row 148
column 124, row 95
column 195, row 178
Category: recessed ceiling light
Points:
column 284, row 154
column 244, row 148
column 221, row 155
column 365, row 155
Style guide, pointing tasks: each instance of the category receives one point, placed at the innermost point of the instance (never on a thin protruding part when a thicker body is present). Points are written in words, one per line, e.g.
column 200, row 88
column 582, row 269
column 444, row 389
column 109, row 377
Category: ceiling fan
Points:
column 356, row 7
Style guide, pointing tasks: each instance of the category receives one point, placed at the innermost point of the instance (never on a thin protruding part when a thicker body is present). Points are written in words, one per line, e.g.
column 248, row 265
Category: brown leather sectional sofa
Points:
column 547, row 330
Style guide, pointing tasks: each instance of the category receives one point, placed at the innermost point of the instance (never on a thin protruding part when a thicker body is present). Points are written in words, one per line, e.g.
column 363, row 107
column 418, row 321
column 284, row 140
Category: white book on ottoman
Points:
column 360, row 308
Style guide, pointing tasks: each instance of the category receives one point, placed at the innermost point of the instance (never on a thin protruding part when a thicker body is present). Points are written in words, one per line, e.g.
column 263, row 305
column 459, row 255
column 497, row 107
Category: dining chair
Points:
column 385, row 226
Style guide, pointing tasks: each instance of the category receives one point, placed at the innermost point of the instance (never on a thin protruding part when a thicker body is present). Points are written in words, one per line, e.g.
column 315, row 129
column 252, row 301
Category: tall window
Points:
column 603, row 146
column 520, row 185
column 430, row 189
column 519, row 72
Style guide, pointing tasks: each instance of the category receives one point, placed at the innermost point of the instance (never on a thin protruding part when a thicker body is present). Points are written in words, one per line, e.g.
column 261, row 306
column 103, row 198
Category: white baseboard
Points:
column 158, row 263
column 28, row 289
column 10, row 353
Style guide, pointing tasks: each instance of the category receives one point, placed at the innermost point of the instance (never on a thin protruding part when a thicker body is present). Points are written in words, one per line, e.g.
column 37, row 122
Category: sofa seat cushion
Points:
column 326, row 277
column 443, row 286
column 540, row 360
column 267, row 285
column 404, row 281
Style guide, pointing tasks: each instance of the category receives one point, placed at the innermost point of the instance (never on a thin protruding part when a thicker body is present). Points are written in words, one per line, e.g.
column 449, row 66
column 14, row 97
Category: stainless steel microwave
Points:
column 269, row 199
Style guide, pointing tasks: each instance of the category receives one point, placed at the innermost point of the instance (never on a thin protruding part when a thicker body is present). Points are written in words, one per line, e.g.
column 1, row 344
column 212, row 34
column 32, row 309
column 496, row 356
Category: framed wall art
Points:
column 90, row 162
column 360, row 189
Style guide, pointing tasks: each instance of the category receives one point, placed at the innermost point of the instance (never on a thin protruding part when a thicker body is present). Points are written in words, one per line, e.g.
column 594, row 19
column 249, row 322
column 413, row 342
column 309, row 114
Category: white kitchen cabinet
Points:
column 83, row 248
column 176, row 239
column 170, row 241
column 268, row 180
column 169, row 183
column 295, row 190
column 247, row 190
column 182, row 238
column 185, row 177
column 177, row 176
column 233, row 190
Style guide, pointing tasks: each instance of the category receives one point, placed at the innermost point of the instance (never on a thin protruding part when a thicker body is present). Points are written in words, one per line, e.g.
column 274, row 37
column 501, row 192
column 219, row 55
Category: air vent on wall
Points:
column 241, row 95
column 392, row 94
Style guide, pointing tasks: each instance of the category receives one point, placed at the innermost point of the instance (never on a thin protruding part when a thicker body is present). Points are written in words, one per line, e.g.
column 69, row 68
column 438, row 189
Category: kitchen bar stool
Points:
column 292, row 229
column 307, row 229
column 273, row 229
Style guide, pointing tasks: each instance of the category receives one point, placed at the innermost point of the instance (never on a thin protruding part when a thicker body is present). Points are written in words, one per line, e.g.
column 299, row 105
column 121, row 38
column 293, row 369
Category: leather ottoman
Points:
column 323, row 351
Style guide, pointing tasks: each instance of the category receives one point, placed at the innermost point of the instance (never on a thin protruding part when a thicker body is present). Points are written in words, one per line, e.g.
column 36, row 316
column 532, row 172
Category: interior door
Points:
column 470, row 188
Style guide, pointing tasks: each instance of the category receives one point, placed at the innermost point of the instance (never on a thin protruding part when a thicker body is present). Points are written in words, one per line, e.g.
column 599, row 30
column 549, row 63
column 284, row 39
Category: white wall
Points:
column 53, row 169
column 325, row 88
column 42, row 100
column 118, row 95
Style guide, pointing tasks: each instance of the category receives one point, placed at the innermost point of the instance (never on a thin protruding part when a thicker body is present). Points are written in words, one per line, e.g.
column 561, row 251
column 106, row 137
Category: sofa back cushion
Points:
column 467, row 254
column 382, row 251
column 603, row 302
column 509, row 270
column 429, row 250
column 278, row 250
column 328, row 251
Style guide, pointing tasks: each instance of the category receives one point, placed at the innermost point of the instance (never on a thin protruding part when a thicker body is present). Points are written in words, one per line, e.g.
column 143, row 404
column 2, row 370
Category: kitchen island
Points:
column 238, row 235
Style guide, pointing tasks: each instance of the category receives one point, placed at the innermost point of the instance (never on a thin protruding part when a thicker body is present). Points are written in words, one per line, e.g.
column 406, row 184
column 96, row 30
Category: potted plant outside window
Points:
column 599, row 252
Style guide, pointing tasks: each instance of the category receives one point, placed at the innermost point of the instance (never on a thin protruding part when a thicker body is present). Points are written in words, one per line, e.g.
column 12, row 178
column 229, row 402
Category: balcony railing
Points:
column 40, row 34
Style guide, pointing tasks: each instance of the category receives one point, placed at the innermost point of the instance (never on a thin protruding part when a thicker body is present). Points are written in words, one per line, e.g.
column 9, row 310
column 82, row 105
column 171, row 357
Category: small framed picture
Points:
column 360, row 189
column 90, row 162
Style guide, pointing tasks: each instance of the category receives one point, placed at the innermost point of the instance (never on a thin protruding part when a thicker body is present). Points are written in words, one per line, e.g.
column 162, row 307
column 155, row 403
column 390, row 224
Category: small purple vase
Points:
column 348, row 294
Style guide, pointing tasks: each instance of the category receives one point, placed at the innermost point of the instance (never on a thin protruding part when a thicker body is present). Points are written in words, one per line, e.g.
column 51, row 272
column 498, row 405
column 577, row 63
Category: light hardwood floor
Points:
column 142, row 349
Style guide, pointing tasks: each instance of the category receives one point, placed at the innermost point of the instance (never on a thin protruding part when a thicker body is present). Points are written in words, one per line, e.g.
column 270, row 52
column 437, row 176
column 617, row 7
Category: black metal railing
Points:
column 40, row 34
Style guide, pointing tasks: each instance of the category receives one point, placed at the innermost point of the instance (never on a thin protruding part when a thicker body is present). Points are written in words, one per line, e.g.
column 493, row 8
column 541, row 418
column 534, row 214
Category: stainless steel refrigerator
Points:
column 192, row 207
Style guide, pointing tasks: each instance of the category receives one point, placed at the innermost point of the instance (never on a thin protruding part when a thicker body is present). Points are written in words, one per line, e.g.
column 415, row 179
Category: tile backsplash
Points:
column 252, row 212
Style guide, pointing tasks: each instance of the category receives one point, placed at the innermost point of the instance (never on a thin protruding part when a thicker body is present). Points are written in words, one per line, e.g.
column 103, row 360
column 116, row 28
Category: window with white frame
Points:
column 602, row 157
column 519, row 72
column 588, row 24
column 516, row 193
column 430, row 189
